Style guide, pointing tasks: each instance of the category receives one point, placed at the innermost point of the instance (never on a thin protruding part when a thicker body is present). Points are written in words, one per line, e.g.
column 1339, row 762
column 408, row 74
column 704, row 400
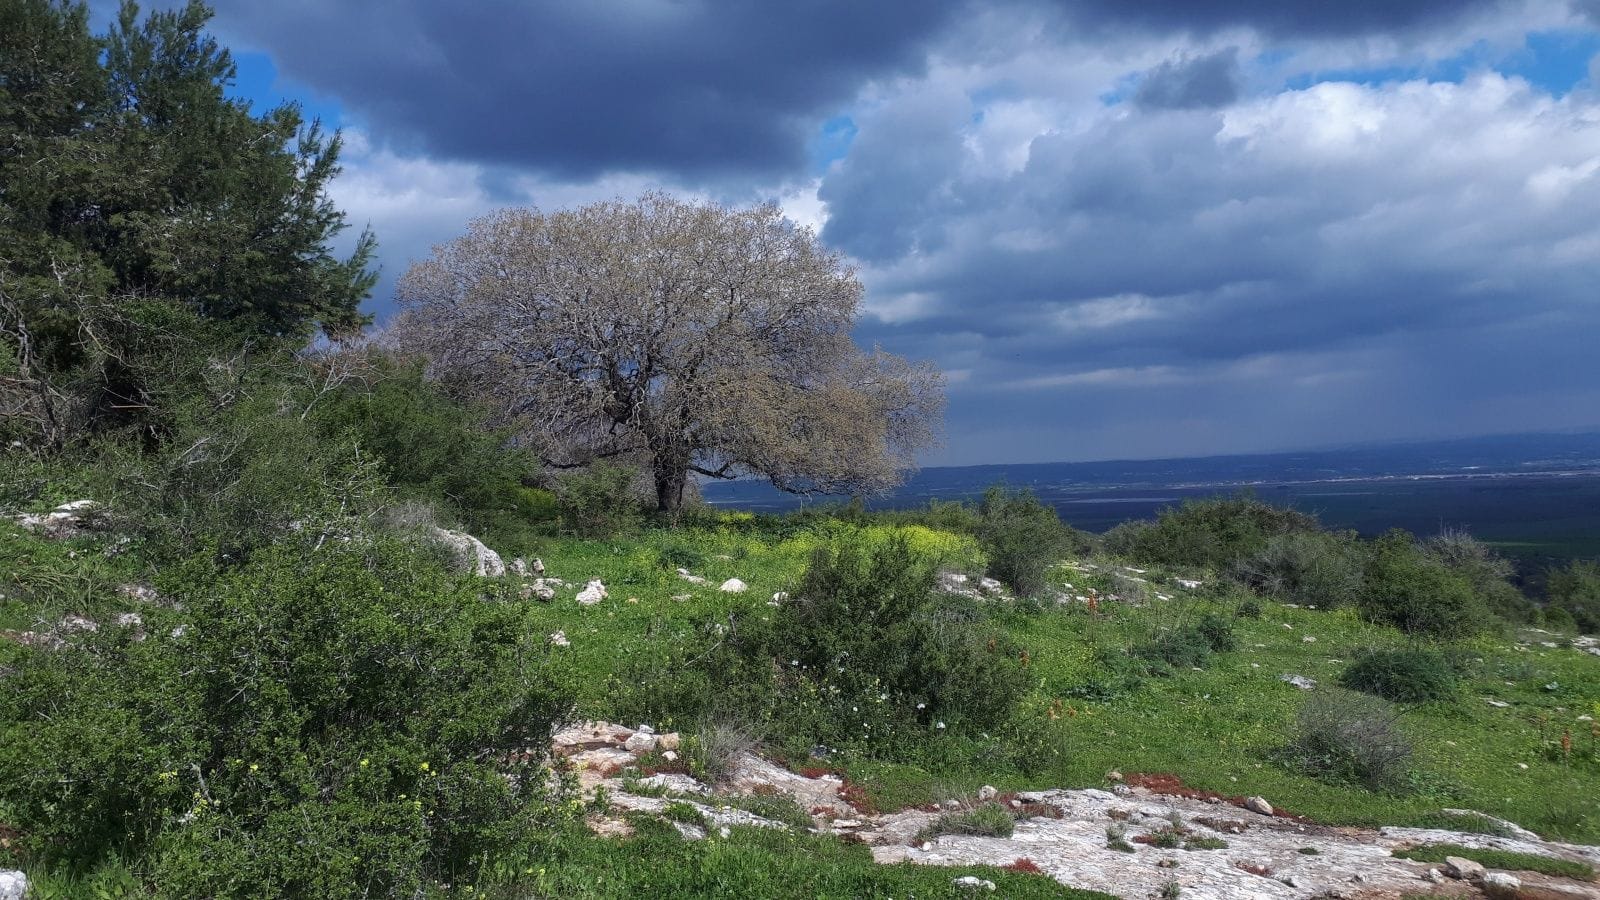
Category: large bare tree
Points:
column 684, row 337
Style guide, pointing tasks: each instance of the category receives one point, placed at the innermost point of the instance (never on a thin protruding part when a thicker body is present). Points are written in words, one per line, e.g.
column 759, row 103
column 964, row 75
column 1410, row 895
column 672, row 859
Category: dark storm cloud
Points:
column 1277, row 18
column 692, row 88
column 1200, row 83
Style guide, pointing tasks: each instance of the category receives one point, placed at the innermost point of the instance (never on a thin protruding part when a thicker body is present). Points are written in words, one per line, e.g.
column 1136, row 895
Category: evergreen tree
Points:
column 136, row 196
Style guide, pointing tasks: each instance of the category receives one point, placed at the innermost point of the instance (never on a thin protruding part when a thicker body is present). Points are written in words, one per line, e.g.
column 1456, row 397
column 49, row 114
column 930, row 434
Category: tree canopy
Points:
column 129, row 178
column 684, row 337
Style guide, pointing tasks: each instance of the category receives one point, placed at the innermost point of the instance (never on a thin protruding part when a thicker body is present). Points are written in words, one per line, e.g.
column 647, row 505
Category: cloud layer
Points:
column 1122, row 229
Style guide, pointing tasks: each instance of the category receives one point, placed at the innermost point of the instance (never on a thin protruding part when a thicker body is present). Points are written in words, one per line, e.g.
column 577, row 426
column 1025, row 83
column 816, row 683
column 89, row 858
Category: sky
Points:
column 1167, row 228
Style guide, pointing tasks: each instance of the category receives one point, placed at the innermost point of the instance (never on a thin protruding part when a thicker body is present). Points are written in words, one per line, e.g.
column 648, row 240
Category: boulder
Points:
column 13, row 884
column 640, row 743
column 733, row 586
column 471, row 553
column 1258, row 805
column 1501, row 884
column 592, row 593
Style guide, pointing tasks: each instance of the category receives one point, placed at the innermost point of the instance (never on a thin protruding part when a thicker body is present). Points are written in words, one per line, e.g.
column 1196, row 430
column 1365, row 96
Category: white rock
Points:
column 733, row 586
column 537, row 590
column 519, row 566
column 1499, row 704
column 1188, row 583
column 991, row 586
column 78, row 623
column 13, row 884
column 130, row 620
column 1258, row 805
column 1299, row 681
column 1308, row 639
column 1464, row 869
column 987, row 793
column 780, row 597
column 973, row 883
column 471, row 553
column 559, row 639
column 1501, row 882
column 640, row 743
column 592, row 593
column 670, row 756
column 690, row 577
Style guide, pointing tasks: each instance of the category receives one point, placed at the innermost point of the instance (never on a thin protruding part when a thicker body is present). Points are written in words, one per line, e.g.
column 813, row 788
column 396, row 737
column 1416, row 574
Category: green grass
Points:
column 1500, row 859
column 1233, row 715
column 986, row 820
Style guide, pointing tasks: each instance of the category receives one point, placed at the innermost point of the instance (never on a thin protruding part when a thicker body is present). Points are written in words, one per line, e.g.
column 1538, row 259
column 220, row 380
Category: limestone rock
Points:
column 1258, row 805
column 537, row 590
column 13, row 884
column 1501, row 884
column 640, row 743
column 733, row 586
column 973, row 883
column 690, row 577
column 987, row 793
column 559, row 639
column 470, row 553
column 592, row 593
column 1464, row 869
column 1299, row 681
column 67, row 520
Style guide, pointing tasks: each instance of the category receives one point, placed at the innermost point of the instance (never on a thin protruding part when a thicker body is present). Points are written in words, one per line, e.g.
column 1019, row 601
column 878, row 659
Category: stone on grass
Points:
column 973, row 883
column 1299, row 681
column 592, row 593
column 733, row 586
column 559, row 639
column 13, row 884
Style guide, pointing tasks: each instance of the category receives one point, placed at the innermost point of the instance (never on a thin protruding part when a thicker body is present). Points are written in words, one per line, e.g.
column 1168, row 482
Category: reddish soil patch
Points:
column 814, row 772
column 1173, row 786
column 1253, row 869
column 1025, row 865
column 856, row 796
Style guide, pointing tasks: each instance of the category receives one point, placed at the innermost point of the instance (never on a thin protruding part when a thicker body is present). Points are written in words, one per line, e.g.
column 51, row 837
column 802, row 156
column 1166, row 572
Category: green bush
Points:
column 1179, row 648
column 1415, row 592
column 1022, row 537
column 599, row 501
column 984, row 820
column 1217, row 632
column 1404, row 676
column 1210, row 534
column 320, row 722
column 1575, row 591
column 1351, row 736
column 1487, row 571
column 1309, row 568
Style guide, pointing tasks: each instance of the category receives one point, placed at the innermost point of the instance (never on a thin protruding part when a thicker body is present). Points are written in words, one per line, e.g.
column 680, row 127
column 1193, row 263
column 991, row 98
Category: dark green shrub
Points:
column 1180, row 648
column 1404, row 676
column 1218, row 633
column 1415, row 592
column 1575, row 592
column 1248, row 608
column 1309, row 568
column 1351, row 736
column 1487, row 571
column 1022, row 537
column 599, row 501
column 321, row 722
column 1209, row 534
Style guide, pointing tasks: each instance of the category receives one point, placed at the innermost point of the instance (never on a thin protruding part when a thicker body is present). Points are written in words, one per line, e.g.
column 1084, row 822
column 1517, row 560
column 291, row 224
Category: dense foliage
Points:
column 131, row 181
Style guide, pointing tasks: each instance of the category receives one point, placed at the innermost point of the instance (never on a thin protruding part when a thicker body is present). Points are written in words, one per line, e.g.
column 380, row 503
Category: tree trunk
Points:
column 670, row 481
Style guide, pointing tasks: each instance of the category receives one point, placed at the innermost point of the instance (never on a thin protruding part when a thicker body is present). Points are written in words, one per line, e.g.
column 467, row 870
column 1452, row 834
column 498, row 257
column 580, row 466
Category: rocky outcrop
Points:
column 470, row 553
column 592, row 593
column 13, row 884
column 1211, row 848
column 68, row 520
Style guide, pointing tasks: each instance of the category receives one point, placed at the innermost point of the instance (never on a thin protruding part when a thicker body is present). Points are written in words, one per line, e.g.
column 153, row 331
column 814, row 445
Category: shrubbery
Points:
column 1207, row 534
column 315, row 721
column 1023, row 538
column 1405, row 676
column 1310, row 568
column 1188, row 646
column 1417, row 593
column 1350, row 736
column 600, row 500
column 1575, row 591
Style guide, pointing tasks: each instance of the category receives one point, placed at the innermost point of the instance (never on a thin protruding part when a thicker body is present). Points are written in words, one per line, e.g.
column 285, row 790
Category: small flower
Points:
column 941, row 725
column 423, row 767
column 363, row 764
column 254, row 767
